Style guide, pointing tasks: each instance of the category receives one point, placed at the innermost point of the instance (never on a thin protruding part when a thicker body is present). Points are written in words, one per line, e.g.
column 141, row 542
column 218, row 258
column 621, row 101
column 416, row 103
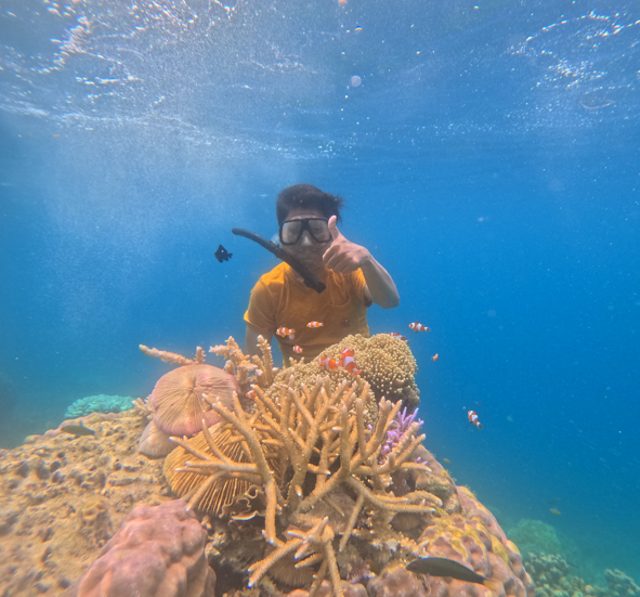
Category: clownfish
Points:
column 327, row 363
column 418, row 327
column 297, row 349
column 286, row 332
column 473, row 418
column 346, row 361
column 435, row 357
column 315, row 324
column 252, row 394
column 399, row 337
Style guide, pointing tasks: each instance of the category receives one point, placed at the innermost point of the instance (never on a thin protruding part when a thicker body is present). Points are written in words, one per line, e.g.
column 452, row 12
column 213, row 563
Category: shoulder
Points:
column 274, row 277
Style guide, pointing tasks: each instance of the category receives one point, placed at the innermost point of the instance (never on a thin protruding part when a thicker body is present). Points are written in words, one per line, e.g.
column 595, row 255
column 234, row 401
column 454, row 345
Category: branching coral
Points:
column 248, row 369
column 172, row 357
column 321, row 438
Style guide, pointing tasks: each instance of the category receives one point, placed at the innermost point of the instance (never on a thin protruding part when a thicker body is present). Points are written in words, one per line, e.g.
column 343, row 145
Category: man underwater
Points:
column 305, row 321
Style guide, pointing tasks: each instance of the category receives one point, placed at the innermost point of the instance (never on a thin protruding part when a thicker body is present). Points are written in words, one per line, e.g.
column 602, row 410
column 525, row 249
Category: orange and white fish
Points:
column 252, row 394
column 347, row 361
column 297, row 349
column 435, row 357
column 473, row 418
column 418, row 327
column 315, row 324
column 399, row 337
column 327, row 363
column 284, row 332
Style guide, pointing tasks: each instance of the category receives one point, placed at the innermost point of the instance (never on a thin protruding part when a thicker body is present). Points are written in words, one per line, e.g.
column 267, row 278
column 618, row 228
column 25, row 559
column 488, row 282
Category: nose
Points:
column 306, row 239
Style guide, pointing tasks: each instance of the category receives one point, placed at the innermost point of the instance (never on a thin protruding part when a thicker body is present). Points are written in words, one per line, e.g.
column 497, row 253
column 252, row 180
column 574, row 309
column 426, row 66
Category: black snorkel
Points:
column 309, row 279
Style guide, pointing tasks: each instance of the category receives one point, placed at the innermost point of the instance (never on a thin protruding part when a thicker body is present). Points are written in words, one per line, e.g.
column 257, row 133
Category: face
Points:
column 307, row 250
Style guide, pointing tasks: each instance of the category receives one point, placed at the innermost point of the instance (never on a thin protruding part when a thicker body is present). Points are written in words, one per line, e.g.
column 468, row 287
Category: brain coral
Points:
column 387, row 365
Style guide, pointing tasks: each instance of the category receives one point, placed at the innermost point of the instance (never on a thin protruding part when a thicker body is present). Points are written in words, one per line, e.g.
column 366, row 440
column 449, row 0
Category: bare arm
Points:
column 344, row 257
column 381, row 288
column 251, row 340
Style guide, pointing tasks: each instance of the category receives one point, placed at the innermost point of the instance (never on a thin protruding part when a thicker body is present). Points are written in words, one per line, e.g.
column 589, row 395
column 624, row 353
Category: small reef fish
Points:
column 418, row 327
column 297, row 349
column 327, row 363
column 435, row 357
column 251, row 394
column 222, row 254
column 347, row 361
column 446, row 567
column 555, row 511
column 473, row 418
column 315, row 324
column 77, row 430
column 284, row 332
column 399, row 337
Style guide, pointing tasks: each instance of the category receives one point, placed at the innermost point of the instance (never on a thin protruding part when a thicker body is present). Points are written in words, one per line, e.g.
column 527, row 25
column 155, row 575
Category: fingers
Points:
column 333, row 228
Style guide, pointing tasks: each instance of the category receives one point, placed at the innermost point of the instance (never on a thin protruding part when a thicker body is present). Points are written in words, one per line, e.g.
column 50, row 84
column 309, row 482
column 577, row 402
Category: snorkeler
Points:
column 285, row 300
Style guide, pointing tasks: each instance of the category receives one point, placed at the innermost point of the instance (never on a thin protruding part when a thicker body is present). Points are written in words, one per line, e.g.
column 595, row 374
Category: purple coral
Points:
column 397, row 430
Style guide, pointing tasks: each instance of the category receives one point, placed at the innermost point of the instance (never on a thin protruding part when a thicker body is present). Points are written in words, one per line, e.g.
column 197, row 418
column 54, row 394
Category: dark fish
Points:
column 222, row 254
column 77, row 430
column 445, row 567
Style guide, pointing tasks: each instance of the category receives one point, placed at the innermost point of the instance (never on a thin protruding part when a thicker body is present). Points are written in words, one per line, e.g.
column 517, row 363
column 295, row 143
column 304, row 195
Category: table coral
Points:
column 100, row 403
column 157, row 552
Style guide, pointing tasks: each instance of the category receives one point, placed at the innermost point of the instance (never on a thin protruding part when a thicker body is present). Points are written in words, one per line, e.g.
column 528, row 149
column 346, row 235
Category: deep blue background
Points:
column 489, row 161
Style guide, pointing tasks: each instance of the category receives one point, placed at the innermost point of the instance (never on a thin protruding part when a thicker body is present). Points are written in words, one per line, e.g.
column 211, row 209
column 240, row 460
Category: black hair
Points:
column 306, row 195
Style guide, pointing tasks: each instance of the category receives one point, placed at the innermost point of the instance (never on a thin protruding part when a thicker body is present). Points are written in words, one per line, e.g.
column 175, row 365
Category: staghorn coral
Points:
column 172, row 357
column 248, row 369
column 158, row 551
column 321, row 439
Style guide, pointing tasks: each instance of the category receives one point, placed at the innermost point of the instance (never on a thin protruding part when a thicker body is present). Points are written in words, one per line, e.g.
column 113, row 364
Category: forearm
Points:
column 382, row 289
column 251, row 341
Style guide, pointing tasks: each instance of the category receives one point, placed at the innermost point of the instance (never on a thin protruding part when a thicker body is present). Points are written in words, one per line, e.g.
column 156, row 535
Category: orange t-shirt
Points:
column 279, row 299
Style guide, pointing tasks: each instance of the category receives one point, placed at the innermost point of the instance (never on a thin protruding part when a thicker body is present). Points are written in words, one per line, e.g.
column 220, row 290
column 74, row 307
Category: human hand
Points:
column 343, row 256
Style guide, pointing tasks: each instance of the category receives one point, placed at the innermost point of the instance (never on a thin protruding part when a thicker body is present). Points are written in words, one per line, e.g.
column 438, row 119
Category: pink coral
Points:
column 157, row 552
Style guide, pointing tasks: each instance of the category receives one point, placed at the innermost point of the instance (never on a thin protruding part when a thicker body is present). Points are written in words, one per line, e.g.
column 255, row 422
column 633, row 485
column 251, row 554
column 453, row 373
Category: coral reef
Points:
column 100, row 403
column 535, row 536
column 308, row 484
column 158, row 551
column 311, row 485
column 553, row 578
column 62, row 497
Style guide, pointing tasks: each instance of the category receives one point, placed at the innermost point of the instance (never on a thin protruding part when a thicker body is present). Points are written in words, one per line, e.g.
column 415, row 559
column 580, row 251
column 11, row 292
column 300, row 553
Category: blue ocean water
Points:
column 488, row 154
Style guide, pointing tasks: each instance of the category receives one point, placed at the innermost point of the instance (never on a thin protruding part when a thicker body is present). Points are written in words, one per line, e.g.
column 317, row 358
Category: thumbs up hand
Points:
column 343, row 256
